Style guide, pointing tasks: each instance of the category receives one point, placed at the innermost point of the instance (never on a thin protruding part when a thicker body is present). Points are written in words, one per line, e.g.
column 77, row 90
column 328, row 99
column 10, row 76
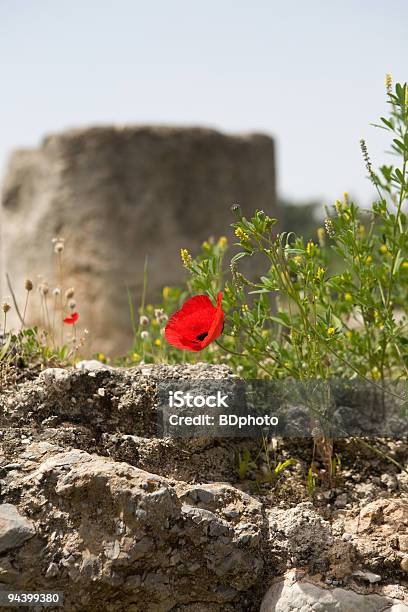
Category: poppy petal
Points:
column 196, row 324
column 72, row 319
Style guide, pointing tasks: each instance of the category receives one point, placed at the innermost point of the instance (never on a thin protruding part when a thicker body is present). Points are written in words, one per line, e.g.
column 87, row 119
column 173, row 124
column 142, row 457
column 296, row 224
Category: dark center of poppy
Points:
column 202, row 336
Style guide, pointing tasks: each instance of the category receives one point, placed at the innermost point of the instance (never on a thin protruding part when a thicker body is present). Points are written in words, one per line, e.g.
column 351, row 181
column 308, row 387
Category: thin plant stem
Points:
column 25, row 311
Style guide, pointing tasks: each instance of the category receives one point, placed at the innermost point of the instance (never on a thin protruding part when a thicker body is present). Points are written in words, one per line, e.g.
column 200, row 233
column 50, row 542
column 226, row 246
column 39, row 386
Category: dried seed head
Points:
column 69, row 293
column 28, row 285
column 144, row 335
column 160, row 315
column 56, row 292
column 58, row 244
column 43, row 288
column 72, row 304
column 6, row 307
column 144, row 320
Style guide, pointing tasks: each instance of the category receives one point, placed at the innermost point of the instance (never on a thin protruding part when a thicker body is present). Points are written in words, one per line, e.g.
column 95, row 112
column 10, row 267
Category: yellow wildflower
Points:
column 136, row 357
column 310, row 248
column 157, row 342
column 383, row 249
column 223, row 242
column 349, row 333
column 166, row 292
column 186, row 258
column 298, row 259
column 320, row 273
column 348, row 297
column 239, row 232
column 369, row 260
column 331, row 331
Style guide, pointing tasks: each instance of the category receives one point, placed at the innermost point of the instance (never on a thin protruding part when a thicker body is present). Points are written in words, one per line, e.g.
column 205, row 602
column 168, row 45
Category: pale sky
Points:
column 311, row 74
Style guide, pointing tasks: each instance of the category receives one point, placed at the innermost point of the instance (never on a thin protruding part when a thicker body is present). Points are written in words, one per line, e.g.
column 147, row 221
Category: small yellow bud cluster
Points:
column 239, row 232
column 166, row 293
column 383, row 249
column 320, row 273
column 388, row 82
column 348, row 297
column 223, row 242
column 331, row 331
column 186, row 258
column 311, row 248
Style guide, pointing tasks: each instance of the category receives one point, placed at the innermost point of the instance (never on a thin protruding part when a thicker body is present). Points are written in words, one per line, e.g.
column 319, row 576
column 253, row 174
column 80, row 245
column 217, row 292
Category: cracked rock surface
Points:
column 95, row 506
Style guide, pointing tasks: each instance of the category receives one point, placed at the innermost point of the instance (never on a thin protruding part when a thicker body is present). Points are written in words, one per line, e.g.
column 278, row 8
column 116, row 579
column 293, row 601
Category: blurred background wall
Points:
column 117, row 196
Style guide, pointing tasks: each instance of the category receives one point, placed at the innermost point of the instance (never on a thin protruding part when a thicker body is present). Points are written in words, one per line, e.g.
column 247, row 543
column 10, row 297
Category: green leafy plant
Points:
column 304, row 320
column 30, row 348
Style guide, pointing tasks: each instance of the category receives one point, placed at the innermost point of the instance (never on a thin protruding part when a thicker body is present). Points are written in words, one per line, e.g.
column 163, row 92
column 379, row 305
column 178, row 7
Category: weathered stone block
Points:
column 117, row 195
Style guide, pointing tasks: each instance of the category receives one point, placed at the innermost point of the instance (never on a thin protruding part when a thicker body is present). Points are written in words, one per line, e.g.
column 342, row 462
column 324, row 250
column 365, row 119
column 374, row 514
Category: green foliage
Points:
column 303, row 319
column 31, row 348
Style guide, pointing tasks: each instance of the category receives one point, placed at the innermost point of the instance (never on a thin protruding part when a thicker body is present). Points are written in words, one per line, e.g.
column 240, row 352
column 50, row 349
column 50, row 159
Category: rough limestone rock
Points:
column 105, row 527
column 301, row 532
column 291, row 595
column 119, row 519
column 379, row 534
column 14, row 528
column 117, row 195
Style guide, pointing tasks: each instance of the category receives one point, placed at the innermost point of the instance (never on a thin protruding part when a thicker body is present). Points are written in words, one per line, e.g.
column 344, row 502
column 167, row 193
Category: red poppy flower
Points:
column 72, row 319
column 196, row 324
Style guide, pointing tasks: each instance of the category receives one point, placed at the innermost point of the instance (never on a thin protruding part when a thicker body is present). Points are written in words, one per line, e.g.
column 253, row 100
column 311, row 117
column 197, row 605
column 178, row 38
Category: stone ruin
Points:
column 117, row 195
